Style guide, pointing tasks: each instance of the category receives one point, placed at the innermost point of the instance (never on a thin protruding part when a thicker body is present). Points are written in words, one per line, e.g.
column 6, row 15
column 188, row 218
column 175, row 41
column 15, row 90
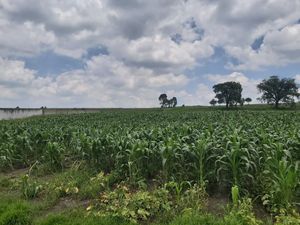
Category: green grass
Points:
column 80, row 219
column 14, row 212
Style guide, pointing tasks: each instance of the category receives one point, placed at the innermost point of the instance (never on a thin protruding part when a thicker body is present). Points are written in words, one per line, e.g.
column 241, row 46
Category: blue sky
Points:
column 111, row 53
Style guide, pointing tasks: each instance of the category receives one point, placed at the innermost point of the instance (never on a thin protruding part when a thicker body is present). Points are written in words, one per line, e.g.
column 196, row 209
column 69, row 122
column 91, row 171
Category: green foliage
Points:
column 235, row 195
column 193, row 198
column 281, row 179
column 16, row 214
column 133, row 206
column 66, row 189
column 54, row 156
column 248, row 100
column 237, row 164
column 77, row 218
column 242, row 214
column 285, row 218
column 275, row 90
column 256, row 151
column 191, row 218
column 213, row 102
column 229, row 93
column 95, row 185
column 29, row 189
column 5, row 182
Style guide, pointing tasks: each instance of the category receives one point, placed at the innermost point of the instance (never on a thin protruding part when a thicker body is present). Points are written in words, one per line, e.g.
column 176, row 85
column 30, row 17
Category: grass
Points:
column 77, row 218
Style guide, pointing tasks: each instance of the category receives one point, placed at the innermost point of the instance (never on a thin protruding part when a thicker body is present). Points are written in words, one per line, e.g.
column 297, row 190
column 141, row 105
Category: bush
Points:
column 287, row 219
column 132, row 206
column 242, row 214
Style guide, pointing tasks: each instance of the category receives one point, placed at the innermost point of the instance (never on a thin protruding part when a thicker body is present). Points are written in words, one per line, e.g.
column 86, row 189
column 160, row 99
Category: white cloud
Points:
column 105, row 82
column 201, row 96
column 13, row 72
column 160, row 53
column 141, row 30
column 143, row 59
column 24, row 39
column 280, row 47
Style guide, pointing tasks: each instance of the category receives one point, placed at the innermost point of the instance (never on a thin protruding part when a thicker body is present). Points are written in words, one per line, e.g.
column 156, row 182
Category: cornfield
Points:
column 259, row 152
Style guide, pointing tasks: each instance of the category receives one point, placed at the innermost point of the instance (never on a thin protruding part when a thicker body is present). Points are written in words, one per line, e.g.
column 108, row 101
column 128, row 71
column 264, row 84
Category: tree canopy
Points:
column 165, row 102
column 275, row 90
column 248, row 100
column 229, row 93
column 213, row 102
column 163, row 99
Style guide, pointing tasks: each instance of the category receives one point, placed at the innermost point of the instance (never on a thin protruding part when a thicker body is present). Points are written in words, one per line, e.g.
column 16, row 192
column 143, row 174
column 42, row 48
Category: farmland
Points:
column 171, row 166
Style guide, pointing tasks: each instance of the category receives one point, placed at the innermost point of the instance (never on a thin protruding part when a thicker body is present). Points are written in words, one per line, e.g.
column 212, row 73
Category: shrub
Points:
column 242, row 214
column 287, row 219
column 133, row 206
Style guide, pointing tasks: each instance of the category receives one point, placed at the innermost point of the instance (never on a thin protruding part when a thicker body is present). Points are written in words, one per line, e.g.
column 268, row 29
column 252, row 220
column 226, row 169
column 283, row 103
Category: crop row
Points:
column 257, row 151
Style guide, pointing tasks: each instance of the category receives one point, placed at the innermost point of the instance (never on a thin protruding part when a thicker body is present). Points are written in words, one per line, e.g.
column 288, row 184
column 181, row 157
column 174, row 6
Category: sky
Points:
column 117, row 53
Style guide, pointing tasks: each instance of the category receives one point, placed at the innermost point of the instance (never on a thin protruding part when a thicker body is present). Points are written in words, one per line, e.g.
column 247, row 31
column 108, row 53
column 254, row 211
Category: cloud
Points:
column 280, row 47
column 160, row 53
column 71, row 27
column 128, row 52
column 25, row 39
column 104, row 82
column 13, row 72
column 201, row 96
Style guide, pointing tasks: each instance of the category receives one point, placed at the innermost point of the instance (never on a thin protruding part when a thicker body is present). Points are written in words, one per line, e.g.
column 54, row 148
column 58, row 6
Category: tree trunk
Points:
column 276, row 104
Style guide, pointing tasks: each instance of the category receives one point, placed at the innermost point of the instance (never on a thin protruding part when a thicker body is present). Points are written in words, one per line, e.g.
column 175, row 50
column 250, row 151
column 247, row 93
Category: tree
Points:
column 248, row 100
column 165, row 102
column 229, row 93
column 174, row 101
column 275, row 90
column 242, row 101
column 163, row 98
column 213, row 102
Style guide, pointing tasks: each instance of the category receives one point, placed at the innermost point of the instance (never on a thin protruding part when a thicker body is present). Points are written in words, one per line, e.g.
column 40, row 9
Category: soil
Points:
column 216, row 204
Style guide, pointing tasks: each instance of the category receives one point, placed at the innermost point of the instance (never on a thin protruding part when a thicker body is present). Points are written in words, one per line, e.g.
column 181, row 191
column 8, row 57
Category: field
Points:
column 172, row 166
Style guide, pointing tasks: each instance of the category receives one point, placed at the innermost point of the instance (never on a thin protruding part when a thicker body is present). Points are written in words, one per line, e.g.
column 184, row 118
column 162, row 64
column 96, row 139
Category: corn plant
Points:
column 282, row 178
column 237, row 161
column 256, row 151
column 54, row 156
column 204, row 157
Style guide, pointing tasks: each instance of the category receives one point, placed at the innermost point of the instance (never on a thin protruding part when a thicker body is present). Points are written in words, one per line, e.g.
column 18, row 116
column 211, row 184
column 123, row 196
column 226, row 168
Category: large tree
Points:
column 229, row 93
column 275, row 90
column 173, row 102
column 163, row 99
column 165, row 102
